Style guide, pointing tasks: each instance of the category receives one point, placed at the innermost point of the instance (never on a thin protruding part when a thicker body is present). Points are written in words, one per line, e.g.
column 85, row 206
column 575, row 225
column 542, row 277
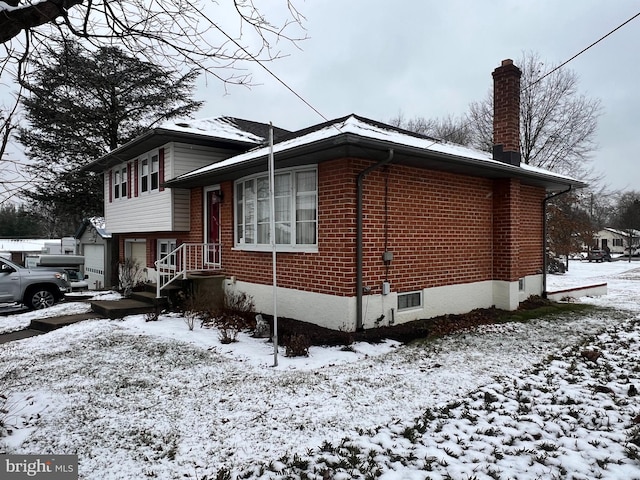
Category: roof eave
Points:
column 154, row 138
column 353, row 145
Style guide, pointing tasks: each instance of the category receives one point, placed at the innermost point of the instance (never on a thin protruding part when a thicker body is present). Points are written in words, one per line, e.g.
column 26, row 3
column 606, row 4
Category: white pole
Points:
column 272, row 234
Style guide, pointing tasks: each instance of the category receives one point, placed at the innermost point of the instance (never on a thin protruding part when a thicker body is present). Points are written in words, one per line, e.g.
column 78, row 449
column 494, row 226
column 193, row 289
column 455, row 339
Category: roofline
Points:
column 122, row 153
column 353, row 145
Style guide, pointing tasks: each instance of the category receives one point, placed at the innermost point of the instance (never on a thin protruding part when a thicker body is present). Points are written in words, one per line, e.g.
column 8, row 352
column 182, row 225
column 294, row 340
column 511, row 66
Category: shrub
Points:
column 236, row 313
column 130, row 276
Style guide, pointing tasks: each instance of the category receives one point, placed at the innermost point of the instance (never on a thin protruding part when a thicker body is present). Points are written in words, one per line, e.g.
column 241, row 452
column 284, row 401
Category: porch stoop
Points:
column 139, row 302
column 146, row 301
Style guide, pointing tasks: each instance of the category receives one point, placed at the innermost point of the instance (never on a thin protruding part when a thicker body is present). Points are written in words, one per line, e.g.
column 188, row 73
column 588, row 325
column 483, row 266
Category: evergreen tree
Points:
column 82, row 104
column 18, row 222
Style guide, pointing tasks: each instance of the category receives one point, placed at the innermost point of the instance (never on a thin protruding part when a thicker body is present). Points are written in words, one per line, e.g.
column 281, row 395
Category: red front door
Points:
column 213, row 226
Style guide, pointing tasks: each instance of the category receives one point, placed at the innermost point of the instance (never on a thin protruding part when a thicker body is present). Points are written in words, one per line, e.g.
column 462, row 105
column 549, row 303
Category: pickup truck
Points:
column 35, row 288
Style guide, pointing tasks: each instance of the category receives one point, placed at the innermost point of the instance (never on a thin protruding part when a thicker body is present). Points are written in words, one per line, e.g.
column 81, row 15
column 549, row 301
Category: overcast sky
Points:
column 431, row 58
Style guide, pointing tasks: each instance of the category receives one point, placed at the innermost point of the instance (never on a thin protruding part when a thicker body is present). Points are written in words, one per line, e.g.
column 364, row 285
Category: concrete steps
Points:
column 139, row 302
column 52, row 323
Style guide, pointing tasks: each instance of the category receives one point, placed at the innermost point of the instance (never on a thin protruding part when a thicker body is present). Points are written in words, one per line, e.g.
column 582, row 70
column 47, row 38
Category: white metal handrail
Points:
column 184, row 259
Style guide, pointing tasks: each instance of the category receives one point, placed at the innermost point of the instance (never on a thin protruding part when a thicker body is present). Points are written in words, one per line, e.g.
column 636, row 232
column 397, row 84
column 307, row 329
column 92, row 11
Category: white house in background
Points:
column 617, row 240
column 17, row 250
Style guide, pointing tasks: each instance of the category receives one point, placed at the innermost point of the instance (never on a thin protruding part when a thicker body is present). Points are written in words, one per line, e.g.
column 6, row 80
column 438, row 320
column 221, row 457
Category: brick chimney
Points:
column 506, row 113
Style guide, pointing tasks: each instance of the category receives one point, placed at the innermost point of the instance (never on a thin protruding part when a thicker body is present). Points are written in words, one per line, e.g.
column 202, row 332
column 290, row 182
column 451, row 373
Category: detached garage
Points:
column 94, row 242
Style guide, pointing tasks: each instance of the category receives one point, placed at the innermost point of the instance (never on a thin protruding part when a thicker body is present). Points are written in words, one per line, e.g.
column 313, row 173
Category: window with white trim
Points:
column 617, row 242
column 120, row 182
column 149, row 173
column 409, row 300
column 165, row 247
column 296, row 209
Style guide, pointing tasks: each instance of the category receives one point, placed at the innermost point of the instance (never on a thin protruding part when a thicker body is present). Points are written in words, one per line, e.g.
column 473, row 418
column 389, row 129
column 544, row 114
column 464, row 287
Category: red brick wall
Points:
column 332, row 269
column 506, row 236
column 443, row 229
column 439, row 230
column 530, row 231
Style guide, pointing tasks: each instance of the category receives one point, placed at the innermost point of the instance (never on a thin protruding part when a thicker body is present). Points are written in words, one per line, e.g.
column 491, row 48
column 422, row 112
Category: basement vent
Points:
column 521, row 285
column 409, row 300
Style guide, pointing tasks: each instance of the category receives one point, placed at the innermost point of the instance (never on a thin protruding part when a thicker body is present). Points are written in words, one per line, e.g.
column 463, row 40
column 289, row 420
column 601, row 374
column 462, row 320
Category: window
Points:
column 295, row 205
column 149, row 173
column 409, row 300
column 521, row 284
column 617, row 242
column 154, row 172
column 144, row 175
column 120, row 183
column 165, row 247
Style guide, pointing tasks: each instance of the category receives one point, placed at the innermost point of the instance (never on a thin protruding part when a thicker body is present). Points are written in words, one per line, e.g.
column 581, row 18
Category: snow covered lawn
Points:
column 139, row 400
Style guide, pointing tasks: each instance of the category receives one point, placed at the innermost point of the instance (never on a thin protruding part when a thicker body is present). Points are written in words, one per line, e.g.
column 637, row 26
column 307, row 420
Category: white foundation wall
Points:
column 450, row 299
column 330, row 311
column 339, row 313
column 532, row 286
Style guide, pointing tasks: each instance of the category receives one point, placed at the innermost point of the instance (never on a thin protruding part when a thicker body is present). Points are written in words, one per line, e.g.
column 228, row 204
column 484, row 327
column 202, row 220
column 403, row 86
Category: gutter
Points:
column 544, row 238
column 359, row 228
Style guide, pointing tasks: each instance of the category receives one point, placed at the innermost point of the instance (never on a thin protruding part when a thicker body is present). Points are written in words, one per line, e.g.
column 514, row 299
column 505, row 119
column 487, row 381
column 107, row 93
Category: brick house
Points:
column 374, row 225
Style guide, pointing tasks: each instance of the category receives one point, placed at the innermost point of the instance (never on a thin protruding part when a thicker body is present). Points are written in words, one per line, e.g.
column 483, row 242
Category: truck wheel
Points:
column 40, row 298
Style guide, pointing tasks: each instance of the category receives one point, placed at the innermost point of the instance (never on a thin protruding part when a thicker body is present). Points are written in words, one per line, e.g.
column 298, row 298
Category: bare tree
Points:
column 450, row 128
column 12, row 169
column 557, row 123
column 217, row 38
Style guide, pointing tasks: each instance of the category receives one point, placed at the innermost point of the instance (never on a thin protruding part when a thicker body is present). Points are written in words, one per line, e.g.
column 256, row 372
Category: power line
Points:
column 256, row 60
column 583, row 50
column 562, row 64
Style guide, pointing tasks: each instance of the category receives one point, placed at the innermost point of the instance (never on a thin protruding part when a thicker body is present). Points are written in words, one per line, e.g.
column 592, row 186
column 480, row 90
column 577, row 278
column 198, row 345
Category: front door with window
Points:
column 166, row 247
column 213, row 226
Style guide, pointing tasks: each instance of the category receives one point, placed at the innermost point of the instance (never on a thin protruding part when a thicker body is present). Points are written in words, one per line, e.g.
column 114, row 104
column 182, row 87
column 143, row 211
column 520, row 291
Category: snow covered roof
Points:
column 622, row 233
column 362, row 133
column 23, row 245
column 235, row 134
column 227, row 128
column 98, row 223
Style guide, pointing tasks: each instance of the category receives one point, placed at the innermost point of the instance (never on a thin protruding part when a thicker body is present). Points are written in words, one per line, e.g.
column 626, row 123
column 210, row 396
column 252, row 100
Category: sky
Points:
column 429, row 59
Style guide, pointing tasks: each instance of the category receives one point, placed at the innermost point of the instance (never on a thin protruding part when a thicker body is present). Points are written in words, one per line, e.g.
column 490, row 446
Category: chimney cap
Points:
column 507, row 61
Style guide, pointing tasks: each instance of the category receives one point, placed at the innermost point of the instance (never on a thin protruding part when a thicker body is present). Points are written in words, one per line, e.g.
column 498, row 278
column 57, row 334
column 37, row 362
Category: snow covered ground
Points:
column 139, row 400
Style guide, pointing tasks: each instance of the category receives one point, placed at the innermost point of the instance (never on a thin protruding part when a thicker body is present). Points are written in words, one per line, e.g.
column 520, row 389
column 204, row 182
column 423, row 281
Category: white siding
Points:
column 150, row 212
column 159, row 211
column 181, row 210
column 191, row 157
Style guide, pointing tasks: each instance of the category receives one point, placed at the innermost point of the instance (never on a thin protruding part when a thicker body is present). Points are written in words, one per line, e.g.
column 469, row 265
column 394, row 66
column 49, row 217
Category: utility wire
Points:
column 259, row 62
column 583, row 50
column 561, row 65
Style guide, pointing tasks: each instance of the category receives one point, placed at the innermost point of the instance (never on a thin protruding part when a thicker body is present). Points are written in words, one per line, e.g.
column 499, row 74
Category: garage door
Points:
column 94, row 265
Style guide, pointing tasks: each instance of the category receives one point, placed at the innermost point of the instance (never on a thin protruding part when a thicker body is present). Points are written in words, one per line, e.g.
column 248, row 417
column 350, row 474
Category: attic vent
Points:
column 185, row 125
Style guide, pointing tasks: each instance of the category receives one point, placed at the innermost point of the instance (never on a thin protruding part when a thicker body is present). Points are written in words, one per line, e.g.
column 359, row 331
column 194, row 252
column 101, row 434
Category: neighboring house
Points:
column 94, row 243
column 374, row 225
column 617, row 240
column 17, row 250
